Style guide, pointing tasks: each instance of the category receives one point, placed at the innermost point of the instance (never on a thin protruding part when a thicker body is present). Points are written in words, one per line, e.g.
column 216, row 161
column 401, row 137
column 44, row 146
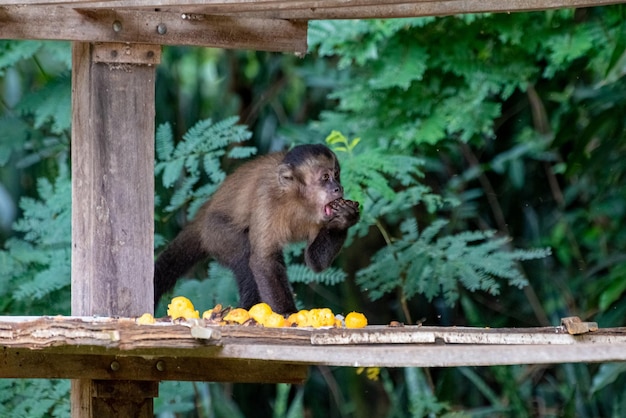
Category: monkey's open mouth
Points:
column 332, row 207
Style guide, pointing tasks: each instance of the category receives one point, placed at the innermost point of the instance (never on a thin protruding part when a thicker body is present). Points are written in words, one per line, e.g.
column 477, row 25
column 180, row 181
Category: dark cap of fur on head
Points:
column 301, row 153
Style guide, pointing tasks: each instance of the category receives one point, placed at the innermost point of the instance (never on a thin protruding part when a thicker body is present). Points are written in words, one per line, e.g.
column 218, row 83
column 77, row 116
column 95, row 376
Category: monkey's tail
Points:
column 176, row 260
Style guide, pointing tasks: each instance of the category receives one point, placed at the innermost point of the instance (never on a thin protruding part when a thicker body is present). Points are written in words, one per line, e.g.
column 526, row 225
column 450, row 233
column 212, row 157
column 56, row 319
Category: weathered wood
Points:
column 112, row 203
column 236, row 6
column 406, row 9
column 151, row 27
column 65, row 364
column 104, row 334
column 112, row 187
column 65, row 347
column 126, row 53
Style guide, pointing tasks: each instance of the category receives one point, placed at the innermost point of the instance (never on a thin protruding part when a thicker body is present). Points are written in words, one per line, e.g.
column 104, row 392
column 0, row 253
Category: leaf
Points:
column 410, row 65
column 164, row 141
column 51, row 104
column 11, row 52
column 422, row 264
column 606, row 375
column 172, row 171
column 614, row 291
column 300, row 273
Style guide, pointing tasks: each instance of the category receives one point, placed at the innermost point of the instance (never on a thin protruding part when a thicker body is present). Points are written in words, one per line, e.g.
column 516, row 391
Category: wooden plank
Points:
column 126, row 53
column 112, row 206
column 125, row 335
column 20, row 363
column 453, row 355
column 53, row 347
column 237, row 6
column 409, row 9
column 152, row 27
column 112, row 187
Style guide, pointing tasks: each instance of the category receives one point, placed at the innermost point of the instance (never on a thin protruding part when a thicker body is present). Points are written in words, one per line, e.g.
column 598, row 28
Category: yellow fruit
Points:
column 300, row 318
column 260, row 312
column 355, row 320
column 275, row 320
column 237, row 315
column 146, row 319
column 322, row 317
column 181, row 307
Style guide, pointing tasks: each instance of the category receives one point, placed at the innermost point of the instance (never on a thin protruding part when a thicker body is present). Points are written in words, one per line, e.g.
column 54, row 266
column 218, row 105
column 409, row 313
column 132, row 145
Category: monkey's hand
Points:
column 343, row 214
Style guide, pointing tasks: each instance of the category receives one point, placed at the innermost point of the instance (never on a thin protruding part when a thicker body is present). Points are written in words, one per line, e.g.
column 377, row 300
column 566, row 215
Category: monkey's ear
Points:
column 285, row 174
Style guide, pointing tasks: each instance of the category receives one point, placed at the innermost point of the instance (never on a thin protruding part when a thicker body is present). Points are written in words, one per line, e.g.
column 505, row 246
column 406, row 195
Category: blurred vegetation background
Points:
column 486, row 151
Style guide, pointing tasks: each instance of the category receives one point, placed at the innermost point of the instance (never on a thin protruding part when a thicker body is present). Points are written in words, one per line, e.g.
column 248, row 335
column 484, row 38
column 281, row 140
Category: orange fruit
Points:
column 275, row 320
column 181, row 307
column 260, row 312
column 355, row 320
column 237, row 315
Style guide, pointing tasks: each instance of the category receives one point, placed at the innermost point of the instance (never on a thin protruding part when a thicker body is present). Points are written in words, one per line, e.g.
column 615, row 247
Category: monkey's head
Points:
column 312, row 173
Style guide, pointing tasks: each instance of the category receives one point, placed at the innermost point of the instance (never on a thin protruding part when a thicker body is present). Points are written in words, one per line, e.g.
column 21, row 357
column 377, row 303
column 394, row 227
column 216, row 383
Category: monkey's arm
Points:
column 321, row 252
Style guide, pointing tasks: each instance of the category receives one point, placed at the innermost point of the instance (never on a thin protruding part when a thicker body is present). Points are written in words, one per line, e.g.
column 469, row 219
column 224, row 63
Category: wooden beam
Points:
column 152, row 27
column 112, row 203
column 408, row 9
column 236, row 6
column 83, row 347
column 113, row 180
column 326, row 9
column 20, row 363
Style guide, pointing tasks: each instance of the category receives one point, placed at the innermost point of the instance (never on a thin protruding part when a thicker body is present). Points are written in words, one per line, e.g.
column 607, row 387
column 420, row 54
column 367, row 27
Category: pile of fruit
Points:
column 260, row 314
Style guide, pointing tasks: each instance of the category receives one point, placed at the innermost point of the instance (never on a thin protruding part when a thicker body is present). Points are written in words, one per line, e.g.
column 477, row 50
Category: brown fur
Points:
column 265, row 204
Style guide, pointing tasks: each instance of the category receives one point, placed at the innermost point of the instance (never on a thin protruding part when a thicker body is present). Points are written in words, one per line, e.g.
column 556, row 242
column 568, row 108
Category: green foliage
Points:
column 494, row 122
column 13, row 52
column 52, row 398
column 51, row 105
column 199, row 153
column 35, row 267
column 420, row 264
column 36, row 124
column 300, row 273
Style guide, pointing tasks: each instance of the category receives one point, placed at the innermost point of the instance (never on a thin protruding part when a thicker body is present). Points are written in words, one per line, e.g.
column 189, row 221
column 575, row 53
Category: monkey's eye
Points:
column 326, row 177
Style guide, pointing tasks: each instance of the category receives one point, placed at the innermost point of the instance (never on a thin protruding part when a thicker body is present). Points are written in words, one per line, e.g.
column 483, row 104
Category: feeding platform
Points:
column 116, row 363
column 120, row 349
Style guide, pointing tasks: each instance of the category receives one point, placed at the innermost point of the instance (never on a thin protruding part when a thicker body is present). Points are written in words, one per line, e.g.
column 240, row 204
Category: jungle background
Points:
column 487, row 152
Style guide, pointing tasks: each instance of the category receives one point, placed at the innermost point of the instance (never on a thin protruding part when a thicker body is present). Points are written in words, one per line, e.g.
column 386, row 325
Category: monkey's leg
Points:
column 239, row 263
column 230, row 246
column 270, row 275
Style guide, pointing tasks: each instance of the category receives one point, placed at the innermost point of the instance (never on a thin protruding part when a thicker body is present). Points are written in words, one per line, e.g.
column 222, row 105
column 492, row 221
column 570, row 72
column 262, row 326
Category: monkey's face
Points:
column 312, row 172
column 326, row 188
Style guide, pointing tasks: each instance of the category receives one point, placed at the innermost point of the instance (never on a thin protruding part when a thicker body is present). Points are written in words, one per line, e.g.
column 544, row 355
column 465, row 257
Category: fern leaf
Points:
column 300, row 273
column 12, row 52
column 52, row 103
column 164, row 140
column 172, row 171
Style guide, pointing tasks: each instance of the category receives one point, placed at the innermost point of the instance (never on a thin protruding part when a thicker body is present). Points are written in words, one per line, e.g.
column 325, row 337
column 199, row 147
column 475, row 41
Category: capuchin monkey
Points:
column 265, row 204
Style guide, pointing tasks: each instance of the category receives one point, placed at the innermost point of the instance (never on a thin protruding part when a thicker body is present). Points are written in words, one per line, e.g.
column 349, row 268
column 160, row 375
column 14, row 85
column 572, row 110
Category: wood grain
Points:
column 112, row 187
column 87, row 347
column 152, row 27
column 112, row 206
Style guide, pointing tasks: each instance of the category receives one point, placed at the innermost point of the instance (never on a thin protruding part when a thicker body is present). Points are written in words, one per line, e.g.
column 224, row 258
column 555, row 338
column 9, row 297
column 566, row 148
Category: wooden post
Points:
column 112, row 203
